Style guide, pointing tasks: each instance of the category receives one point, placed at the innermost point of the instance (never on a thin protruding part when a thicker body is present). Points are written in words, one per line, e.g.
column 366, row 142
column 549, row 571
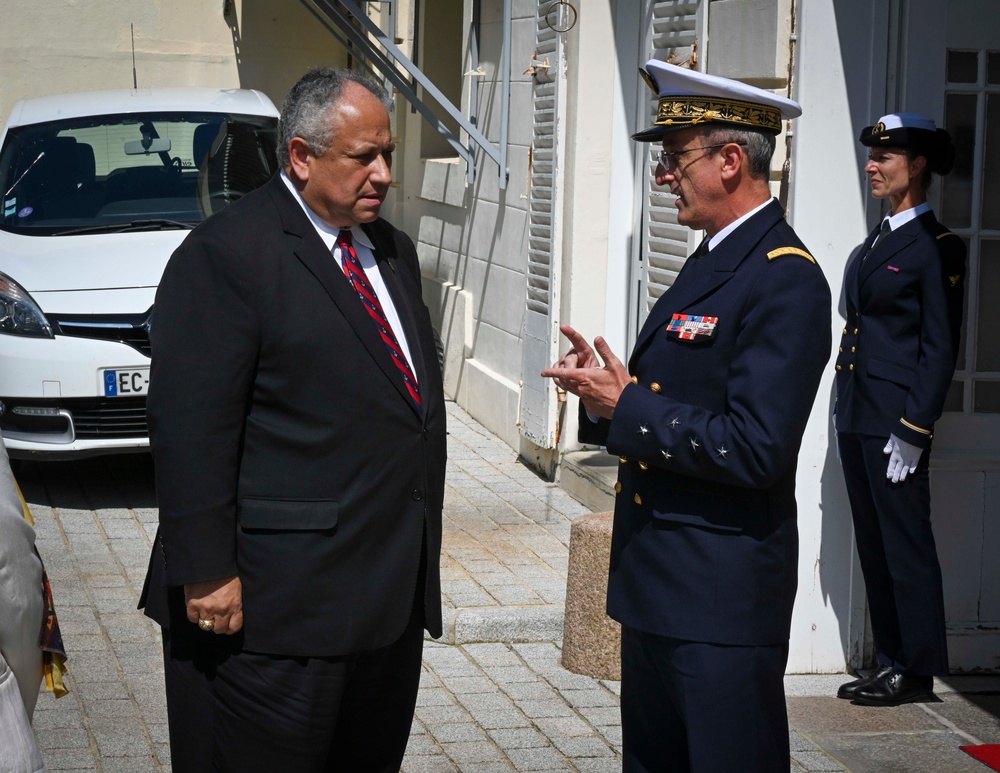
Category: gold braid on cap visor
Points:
column 690, row 111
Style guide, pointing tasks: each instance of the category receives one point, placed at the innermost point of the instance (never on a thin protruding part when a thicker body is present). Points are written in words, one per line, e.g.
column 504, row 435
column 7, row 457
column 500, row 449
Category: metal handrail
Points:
column 387, row 63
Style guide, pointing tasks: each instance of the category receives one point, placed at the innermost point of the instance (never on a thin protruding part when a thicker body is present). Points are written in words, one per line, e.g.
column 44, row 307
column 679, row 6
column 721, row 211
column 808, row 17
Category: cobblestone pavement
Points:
column 493, row 695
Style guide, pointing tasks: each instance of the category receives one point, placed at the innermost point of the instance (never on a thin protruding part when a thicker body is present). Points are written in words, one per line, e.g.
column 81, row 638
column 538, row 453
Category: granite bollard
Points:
column 591, row 639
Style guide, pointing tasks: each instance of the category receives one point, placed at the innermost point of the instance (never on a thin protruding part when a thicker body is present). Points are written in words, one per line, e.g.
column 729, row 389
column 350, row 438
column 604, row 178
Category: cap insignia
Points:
column 649, row 80
column 878, row 128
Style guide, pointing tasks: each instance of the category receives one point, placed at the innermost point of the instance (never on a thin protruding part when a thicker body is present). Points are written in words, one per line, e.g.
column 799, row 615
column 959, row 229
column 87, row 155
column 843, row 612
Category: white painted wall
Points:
column 598, row 193
column 827, row 206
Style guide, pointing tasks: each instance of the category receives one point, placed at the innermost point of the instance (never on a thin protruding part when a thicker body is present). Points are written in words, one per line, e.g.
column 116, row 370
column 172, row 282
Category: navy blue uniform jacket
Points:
column 705, row 543
column 287, row 449
column 900, row 342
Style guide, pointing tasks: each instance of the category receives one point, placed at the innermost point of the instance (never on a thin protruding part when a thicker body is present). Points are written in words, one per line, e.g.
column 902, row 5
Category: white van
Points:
column 98, row 190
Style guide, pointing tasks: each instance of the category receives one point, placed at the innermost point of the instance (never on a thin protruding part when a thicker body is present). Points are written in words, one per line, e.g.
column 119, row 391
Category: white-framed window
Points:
column 970, row 208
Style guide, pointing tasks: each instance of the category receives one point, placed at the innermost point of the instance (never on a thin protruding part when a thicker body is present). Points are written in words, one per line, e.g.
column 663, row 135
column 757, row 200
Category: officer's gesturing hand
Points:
column 579, row 371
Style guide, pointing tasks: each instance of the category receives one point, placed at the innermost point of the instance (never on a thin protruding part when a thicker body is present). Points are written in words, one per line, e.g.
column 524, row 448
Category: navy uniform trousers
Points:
column 892, row 528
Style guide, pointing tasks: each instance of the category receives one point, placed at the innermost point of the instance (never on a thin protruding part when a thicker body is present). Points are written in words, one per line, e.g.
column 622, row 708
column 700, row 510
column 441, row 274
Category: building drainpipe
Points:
column 787, row 163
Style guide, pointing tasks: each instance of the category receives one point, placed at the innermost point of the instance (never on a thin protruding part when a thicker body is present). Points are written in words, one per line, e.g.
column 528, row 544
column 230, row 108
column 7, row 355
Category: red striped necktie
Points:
column 356, row 274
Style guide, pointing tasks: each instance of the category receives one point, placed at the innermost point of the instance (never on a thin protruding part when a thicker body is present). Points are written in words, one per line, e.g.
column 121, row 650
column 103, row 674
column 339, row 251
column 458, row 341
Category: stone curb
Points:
column 542, row 623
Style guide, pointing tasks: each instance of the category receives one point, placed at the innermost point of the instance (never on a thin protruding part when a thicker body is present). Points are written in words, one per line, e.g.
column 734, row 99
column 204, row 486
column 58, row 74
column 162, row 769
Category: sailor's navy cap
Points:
column 690, row 98
column 912, row 131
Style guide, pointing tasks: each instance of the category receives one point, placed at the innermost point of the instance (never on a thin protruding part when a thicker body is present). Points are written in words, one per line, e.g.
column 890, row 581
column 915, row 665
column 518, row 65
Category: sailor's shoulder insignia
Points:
column 790, row 251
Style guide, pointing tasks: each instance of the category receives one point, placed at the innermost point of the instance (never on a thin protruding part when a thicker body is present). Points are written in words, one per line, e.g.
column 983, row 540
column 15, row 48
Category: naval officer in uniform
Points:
column 707, row 418
column 904, row 311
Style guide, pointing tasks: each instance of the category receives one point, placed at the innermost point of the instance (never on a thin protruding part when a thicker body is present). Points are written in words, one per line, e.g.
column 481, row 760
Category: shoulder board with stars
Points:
column 790, row 251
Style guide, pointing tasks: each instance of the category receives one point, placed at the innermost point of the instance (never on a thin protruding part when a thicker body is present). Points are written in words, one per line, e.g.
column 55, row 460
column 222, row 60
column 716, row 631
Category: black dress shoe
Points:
column 893, row 688
column 847, row 690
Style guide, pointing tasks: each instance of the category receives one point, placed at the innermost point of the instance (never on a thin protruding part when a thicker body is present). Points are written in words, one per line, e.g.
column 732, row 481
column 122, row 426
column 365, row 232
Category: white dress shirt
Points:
column 366, row 255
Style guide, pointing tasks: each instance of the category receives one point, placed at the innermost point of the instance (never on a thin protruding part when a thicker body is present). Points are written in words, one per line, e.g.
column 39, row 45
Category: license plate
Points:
column 125, row 383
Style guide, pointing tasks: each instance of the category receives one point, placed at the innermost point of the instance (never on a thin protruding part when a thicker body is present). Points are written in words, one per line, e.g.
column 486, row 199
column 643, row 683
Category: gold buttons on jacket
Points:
column 853, row 349
column 637, row 499
column 841, row 348
column 845, row 331
column 654, row 387
column 839, row 367
column 635, row 379
column 855, row 331
column 623, row 459
column 618, row 487
column 643, row 466
column 851, row 366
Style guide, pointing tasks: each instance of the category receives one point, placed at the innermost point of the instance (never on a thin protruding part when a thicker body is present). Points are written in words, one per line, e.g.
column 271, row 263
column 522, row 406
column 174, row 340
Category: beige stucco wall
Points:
column 74, row 45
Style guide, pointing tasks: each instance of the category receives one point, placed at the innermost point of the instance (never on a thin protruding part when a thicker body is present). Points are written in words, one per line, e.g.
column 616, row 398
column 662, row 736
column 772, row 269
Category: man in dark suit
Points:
column 897, row 356
column 297, row 425
column 707, row 420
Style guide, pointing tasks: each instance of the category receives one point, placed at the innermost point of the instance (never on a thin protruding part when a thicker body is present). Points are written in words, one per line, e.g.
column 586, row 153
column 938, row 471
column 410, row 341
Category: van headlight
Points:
column 19, row 314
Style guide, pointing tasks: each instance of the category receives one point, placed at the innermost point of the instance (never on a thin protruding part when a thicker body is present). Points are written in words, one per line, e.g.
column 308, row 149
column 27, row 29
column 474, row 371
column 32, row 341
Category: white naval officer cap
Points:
column 916, row 132
column 690, row 98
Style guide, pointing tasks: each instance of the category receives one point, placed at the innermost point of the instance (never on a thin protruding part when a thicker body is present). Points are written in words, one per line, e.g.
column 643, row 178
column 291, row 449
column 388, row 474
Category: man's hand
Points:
column 579, row 371
column 220, row 601
column 580, row 355
column 903, row 458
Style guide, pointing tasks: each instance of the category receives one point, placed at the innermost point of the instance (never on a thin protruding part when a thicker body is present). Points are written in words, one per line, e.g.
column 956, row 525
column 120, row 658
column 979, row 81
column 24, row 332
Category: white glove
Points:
column 903, row 458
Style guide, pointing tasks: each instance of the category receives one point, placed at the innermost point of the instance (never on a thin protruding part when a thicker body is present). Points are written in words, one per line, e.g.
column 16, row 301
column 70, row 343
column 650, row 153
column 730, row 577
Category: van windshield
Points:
column 114, row 172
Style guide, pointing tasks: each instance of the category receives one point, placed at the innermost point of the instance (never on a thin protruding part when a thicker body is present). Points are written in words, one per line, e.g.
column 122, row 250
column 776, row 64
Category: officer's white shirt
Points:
column 716, row 240
column 897, row 220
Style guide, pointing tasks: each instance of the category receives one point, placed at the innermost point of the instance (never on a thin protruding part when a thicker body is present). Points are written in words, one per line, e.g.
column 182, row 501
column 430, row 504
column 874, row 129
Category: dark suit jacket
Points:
column 705, row 543
column 287, row 450
column 904, row 313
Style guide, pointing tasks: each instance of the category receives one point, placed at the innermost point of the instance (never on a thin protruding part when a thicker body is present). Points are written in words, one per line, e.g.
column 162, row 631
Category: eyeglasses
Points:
column 669, row 158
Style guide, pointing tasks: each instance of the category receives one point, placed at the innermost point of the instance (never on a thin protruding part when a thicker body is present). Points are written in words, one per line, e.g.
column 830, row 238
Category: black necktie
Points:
column 882, row 233
column 702, row 250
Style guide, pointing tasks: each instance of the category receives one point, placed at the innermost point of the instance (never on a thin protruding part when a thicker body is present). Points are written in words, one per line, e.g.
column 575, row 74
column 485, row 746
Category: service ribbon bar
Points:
column 688, row 326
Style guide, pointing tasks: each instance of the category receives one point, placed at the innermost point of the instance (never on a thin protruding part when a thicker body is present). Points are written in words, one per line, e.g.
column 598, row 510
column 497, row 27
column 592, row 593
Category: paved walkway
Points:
column 493, row 696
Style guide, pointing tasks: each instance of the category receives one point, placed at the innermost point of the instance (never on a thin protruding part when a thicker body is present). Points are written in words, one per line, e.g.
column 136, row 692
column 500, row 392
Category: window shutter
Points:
column 665, row 243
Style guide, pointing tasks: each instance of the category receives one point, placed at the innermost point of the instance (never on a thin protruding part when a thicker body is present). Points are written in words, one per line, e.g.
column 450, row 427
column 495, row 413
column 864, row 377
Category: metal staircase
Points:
column 347, row 22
